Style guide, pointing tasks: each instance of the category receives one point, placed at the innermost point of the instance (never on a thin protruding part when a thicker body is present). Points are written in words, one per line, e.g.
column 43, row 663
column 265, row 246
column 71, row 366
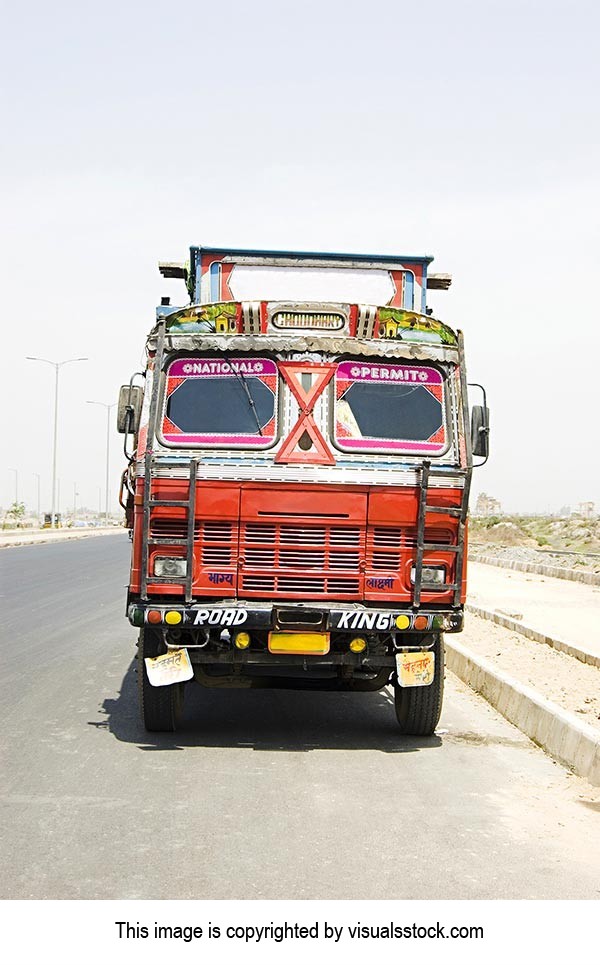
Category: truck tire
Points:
column 161, row 708
column 418, row 709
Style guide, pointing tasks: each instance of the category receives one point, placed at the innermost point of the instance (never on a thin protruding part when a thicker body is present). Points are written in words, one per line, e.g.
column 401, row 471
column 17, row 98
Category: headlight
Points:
column 170, row 566
column 430, row 574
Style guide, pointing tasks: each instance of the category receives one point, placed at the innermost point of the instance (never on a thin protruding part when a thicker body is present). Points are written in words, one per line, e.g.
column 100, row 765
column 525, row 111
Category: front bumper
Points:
column 238, row 615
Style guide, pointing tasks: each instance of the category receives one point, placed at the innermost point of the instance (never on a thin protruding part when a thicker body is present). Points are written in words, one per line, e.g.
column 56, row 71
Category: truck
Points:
column 299, row 456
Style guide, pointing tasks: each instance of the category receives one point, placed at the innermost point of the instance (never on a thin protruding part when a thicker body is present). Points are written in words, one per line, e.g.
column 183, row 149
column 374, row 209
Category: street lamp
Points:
column 37, row 476
column 108, row 406
column 57, row 367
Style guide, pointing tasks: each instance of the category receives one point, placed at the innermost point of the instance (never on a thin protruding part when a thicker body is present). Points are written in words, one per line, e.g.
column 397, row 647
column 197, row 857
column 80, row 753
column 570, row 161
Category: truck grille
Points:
column 171, row 527
column 385, row 544
column 299, row 585
column 216, row 540
column 217, row 543
column 300, row 560
column 297, row 559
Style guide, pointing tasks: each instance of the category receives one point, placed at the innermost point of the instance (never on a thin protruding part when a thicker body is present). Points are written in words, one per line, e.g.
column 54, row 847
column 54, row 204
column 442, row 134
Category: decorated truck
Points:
column 300, row 449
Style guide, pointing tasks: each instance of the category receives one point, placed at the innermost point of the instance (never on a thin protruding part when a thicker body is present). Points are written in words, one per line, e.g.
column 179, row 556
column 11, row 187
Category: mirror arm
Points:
column 477, row 385
column 485, row 430
column 129, row 414
column 128, row 421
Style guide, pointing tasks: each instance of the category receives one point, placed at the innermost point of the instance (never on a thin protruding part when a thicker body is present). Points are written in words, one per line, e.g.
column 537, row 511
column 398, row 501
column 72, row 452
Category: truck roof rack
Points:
column 233, row 254
column 439, row 281
column 209, row 270
column 172, row 269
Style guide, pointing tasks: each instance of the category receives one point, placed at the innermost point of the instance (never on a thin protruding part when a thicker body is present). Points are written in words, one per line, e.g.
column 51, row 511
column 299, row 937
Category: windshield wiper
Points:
column 242, row 380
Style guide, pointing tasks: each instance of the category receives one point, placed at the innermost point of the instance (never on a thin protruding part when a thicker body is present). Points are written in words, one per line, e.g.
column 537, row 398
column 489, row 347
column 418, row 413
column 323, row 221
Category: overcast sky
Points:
column 464, row 130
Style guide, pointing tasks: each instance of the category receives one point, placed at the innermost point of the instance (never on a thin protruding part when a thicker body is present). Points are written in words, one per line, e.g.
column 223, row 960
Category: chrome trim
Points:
column 333, row 475
column 251, row 318
column 308, row 308
column 296, row 343
column 365, row 326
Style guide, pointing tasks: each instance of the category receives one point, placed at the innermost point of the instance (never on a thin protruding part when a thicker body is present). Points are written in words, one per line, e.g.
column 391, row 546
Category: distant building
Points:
column 487, row 506
column 587, row 510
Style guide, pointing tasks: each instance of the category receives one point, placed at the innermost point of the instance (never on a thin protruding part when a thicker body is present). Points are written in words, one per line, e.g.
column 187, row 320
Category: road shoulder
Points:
column 549, row 695
column 33, row 537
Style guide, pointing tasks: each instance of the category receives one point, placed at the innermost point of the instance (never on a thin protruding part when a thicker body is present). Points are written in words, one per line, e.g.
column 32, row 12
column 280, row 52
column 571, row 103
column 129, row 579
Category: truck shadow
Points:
column 267, row 719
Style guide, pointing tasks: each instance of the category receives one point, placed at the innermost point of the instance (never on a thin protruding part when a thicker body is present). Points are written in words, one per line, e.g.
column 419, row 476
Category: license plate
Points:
column 170, row 668
column 415, row 669
column 299, row 643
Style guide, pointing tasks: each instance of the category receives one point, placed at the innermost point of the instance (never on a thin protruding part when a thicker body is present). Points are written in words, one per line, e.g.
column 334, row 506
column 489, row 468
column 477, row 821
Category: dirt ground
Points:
column 572, row 542
column 573, row 685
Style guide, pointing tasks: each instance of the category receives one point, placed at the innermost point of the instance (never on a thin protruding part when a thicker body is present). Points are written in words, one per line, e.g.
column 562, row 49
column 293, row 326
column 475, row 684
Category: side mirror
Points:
column 129, row 408
column 480, row 430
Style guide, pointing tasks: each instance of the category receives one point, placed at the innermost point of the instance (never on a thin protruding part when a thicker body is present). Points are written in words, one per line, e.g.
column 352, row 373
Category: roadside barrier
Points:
column 509, row 624
column 558, row 732
column 559, row 572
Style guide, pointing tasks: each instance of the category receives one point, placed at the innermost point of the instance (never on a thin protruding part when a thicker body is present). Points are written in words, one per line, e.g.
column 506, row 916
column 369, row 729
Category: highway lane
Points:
column 264, row 793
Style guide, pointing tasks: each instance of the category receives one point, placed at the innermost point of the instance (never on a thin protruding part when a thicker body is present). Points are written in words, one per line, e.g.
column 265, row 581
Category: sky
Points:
column 468, row 131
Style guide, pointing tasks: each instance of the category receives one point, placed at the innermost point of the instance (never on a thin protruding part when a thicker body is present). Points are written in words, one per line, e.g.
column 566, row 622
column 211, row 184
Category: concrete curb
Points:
column 561, row 734
column 559, row 572
column 32, row 539
column 583, row 655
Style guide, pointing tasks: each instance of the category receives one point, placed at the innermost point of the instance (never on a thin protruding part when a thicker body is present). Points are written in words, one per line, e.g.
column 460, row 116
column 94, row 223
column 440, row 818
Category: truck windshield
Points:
column 221, row 402
column 389, row 408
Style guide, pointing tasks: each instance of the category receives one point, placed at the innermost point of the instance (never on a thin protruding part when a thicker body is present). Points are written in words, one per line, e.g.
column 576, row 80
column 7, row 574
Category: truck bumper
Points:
column 238, row 615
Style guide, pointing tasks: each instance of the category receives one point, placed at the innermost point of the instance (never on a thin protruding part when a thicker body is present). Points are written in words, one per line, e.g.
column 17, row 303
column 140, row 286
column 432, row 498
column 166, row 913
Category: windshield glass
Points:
column 389, row 408
column 221, row 402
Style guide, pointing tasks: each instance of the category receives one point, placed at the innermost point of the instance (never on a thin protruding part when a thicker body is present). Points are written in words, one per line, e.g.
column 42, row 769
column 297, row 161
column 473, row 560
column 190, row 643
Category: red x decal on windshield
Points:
column 319, row 453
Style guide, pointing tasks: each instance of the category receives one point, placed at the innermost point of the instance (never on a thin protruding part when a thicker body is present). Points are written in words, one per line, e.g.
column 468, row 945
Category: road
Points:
column 560, row 608
column 263, row 794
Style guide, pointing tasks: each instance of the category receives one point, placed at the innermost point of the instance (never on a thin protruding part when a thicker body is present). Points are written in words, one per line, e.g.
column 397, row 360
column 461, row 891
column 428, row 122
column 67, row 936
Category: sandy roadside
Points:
column 573, row 685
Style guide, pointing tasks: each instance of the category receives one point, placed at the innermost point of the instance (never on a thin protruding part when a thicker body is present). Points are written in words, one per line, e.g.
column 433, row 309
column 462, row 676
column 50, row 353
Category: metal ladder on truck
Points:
column 460, row 512
column 151, row 463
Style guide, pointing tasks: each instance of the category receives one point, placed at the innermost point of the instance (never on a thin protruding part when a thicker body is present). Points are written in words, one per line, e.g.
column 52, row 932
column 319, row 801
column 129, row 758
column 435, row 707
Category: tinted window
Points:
column 389, row 407
column 218, row 402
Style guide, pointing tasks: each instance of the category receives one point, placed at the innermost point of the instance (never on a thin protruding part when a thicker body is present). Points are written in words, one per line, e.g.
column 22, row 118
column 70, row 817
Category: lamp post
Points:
column 57, row 368
column 37, row 476
column 108, row 406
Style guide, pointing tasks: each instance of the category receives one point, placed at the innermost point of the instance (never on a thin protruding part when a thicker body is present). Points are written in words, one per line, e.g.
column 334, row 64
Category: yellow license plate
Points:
column 299, row 643
column 415, row 669
column 170, row 668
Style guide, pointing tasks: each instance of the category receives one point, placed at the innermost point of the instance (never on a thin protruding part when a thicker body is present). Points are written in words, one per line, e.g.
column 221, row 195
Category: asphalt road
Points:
column 264, row 793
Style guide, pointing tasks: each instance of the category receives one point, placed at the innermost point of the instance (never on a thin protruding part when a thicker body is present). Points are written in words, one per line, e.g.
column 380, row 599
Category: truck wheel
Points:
column 418, row 709
column 161, row 708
